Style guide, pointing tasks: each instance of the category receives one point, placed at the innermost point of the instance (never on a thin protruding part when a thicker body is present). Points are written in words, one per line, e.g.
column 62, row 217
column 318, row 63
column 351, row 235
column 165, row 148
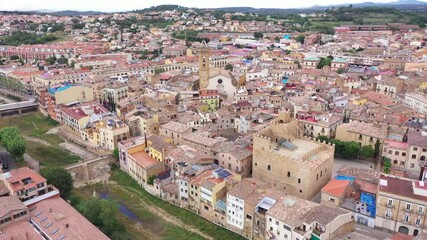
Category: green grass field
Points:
column 128, row 192
column 35, row 125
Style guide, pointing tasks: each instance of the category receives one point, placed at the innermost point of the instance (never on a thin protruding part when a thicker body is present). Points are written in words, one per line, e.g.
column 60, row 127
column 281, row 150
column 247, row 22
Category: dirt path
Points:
column 168, row 218
column 34, row 164
column 38, row 140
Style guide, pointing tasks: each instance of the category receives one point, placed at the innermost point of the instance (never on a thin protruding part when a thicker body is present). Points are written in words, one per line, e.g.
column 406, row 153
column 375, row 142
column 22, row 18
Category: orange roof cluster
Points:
column 336, row 187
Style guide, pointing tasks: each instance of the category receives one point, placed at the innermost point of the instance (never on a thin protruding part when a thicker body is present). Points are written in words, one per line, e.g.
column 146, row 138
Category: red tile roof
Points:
column 336, row 187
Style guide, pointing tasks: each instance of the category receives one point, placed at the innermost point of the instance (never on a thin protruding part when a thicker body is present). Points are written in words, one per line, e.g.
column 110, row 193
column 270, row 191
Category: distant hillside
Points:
column 401, row 4
column 161, row 8
column 75, row 13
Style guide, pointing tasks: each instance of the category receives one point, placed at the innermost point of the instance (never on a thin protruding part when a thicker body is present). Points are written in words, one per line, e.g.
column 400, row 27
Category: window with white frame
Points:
column 408, row 207
column 420, row 209
column 390, row 202
column 388, row 213
column 406, row 218
column 418, row 221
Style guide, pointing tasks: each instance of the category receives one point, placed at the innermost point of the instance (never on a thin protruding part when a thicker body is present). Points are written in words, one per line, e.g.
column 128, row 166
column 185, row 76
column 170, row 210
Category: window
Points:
column 403, row 154
column 390, row 202
column 406, row 218
column 269, row 168
column 414, row 156
column 277, row 223
column 289, row 174
column 418, row 221
column 300, row 191
column 412, row 165
column 387, row 213
column 420, row 209
column 331, row 199
column 249, row 217
column 396, row 153
column 299, row 180
column 415, row 148
column 390, row 152
column 408, row 207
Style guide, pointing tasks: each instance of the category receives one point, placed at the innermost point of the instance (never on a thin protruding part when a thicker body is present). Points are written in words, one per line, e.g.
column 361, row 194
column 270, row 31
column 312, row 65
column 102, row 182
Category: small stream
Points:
column 122, row 207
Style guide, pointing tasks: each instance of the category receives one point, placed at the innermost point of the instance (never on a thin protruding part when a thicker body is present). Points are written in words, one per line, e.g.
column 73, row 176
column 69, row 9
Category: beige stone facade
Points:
column 288, row 162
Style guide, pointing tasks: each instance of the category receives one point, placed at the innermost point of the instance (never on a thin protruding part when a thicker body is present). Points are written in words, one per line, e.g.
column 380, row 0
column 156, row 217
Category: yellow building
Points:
column 158, row 148
column 106, row 133
column 360, row 101
column 211, row 98
column 401, row 205
column 366, row 134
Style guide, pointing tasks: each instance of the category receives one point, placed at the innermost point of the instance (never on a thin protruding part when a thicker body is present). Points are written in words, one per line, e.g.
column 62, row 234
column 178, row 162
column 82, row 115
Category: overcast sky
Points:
column 122, row 5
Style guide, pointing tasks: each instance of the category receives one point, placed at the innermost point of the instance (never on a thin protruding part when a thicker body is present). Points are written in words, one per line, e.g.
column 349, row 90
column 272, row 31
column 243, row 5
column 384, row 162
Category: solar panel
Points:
column 54, row 231
column 43, row 219
column 38, row 214
column 48, row 226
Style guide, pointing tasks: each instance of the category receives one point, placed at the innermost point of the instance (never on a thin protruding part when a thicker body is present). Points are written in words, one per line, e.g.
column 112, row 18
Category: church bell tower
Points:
column 204, row 66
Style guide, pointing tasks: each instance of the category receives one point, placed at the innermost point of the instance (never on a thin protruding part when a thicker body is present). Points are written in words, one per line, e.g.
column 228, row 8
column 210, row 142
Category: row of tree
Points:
column 18, row 38
column 12, row 141
column 351, row 149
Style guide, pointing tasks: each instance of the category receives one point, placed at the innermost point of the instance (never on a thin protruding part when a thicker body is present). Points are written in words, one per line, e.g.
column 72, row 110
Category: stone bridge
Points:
column 91, row 171
column 18, row 108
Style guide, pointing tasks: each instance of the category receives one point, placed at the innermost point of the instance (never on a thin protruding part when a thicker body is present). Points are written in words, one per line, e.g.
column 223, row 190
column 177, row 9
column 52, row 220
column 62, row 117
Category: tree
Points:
column 323, row 138
column 116, row 153
column 340, row 70
column 62, row 60
column 277, row 39
column 386, row 165
column 377, row 148
column 14, row 57
column 351, row 150
column 60, row 178
column 367, row 152
column 229, row 67
column 12, row 141
column 324, row 62
column 150, row 180
column 258, row 35
column 102, row 213
column 50, row 60
column 300, row 38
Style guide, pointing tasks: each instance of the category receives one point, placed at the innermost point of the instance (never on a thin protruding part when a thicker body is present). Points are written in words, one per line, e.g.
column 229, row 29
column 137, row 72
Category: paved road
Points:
column 5, row 158
column 362, row 232
column 339, row 162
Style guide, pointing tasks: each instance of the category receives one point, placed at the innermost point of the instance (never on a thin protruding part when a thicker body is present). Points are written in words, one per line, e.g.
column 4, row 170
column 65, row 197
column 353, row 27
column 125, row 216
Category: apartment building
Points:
column 236, row 197
column 310, row 63
column 315, row 124
column 288, row 162
column 367, row 134
column 416, row 101
column 135, row 159
column 236, row 159
column 59, row 77
column 142, row 122
column 115, row 91
column 417, row 150
column 401, row 205
column 68, row 94
column 24, row 183
column 77, row 117
column 106, row 133
column 294, row 218
column 211, row 98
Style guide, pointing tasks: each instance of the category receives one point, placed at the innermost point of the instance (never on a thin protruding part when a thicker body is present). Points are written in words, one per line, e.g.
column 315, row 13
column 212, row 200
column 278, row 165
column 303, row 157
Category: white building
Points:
column 417, row 101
